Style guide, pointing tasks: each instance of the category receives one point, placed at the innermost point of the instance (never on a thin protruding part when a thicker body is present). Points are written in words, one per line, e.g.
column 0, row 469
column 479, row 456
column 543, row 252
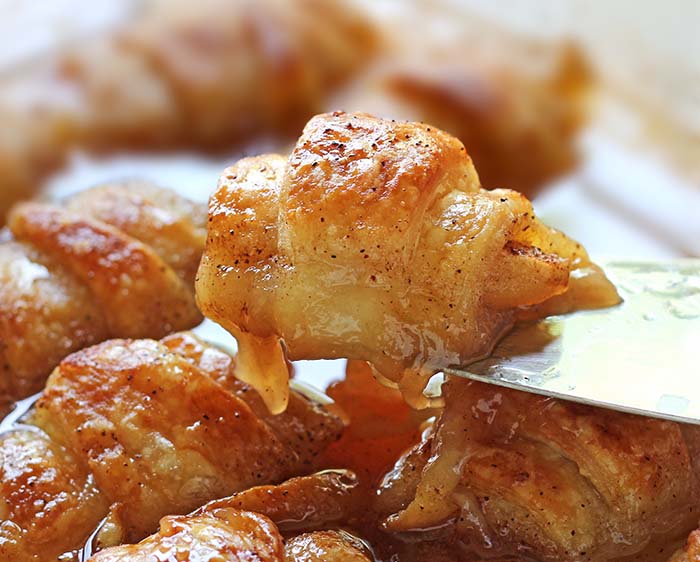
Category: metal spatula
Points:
column 642, row 356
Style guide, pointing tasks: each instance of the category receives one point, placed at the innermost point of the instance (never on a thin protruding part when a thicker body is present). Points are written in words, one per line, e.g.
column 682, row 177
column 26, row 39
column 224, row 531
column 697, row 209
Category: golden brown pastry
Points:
column 224, row 535
column 323, row 499
column 374, row 241
column 132, row 430
column 228, row 535
column 507, row 472
column 300, row 504
column 238, row 67
column 178, row 74
column 326, row 546
column 115, row 261
column 313, row 513
column 691, row 551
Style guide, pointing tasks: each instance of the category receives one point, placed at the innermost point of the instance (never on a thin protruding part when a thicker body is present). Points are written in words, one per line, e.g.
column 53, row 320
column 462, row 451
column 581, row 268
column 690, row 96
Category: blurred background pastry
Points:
column 175, row 74
column 592, row 108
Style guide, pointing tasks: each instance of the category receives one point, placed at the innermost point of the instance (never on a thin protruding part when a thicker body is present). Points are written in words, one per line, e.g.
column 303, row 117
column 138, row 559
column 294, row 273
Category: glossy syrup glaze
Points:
column 509, row 473
column 496, row 475
column 129, row 431
column 373, row 240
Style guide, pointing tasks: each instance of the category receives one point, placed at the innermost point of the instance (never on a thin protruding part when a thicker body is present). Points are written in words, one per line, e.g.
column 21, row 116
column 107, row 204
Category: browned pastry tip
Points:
column 373, row 240
column 129, row 431
column 304, row 503
column 114, row 261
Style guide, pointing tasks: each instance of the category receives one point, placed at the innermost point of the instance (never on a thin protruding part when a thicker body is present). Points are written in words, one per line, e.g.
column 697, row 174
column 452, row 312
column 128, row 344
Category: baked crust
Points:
column 115, row 261
column 374, row 241
column 303, row 503
column 129, row 431
column 515, row 473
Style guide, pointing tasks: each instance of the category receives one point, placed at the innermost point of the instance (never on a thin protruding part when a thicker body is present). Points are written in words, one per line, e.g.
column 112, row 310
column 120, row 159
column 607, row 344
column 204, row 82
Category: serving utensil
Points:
column 642, row 356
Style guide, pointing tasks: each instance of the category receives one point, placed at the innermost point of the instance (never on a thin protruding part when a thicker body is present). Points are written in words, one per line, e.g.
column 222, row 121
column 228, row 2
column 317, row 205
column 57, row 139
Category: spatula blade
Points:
column 642, row 356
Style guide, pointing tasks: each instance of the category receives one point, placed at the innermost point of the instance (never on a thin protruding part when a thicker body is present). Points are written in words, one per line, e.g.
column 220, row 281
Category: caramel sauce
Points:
column 262, row 364
column 380, row 428
column 380, row 425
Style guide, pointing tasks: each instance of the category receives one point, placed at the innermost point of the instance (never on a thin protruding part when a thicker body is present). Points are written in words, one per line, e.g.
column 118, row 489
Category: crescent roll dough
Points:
column 374, row 241
column 129, row 431
column 511, row 473
column 118, row 260
column 247, row 526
